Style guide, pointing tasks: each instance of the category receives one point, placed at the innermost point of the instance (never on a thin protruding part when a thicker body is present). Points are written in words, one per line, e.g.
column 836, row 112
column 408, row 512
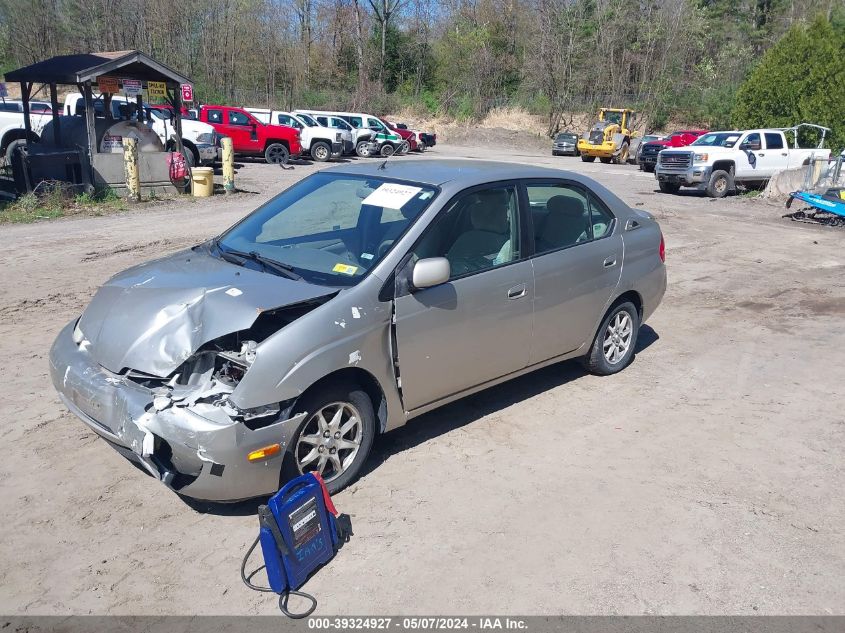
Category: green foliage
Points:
column 799, row 79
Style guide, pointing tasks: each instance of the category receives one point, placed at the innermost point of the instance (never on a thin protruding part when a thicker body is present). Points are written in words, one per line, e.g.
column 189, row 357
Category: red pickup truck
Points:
column 647, row 155
column 251, row 137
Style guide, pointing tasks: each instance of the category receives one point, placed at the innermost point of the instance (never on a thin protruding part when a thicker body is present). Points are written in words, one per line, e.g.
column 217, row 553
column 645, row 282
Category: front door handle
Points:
column 517, row 292
column 784, row 154
column 609, row 262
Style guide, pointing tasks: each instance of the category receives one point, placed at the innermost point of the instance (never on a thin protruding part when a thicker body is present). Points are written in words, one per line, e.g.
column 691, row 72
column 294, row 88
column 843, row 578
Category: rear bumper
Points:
column 197, row 450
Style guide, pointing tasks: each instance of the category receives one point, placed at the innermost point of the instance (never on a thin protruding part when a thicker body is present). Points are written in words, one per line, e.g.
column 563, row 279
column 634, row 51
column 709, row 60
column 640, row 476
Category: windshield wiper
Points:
column 239, row 257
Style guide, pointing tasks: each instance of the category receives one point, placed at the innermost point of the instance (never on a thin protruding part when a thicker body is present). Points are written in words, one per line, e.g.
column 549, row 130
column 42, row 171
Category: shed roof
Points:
column 74, row 69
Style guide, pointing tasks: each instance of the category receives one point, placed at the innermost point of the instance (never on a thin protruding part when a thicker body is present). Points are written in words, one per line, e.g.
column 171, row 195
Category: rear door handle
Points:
column 610, row 262
column 517, row 292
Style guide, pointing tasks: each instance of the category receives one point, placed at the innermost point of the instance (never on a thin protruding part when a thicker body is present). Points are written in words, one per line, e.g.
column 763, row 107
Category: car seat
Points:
column 565, row 223
column 490, row 230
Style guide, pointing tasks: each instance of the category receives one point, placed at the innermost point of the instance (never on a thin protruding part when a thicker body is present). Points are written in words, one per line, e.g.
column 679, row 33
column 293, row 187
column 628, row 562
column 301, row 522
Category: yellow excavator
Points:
column 609, row 139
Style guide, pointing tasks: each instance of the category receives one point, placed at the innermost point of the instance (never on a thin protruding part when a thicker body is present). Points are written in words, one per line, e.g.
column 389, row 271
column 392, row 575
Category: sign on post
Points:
column 156, row 91
column 187, row 92
column 108, row 85
column 131, row 87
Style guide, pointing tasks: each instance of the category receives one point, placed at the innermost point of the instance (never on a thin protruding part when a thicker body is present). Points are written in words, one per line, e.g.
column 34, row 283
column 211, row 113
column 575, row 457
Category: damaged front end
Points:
column 183, row 429
column 159, row 392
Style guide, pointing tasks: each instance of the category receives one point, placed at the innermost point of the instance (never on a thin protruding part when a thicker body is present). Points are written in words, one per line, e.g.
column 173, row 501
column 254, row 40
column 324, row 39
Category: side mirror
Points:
column 429, row 272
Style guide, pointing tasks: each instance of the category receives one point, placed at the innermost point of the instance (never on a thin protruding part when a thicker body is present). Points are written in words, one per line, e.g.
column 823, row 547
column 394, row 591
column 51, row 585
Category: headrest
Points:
column 490, row 211
column 566, row 206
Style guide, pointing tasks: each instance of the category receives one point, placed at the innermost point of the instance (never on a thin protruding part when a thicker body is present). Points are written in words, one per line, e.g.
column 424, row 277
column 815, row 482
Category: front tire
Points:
column 321, row 152
column 721, row 182
column 404, row 148
column 336, row 437
column 622, row 156
column 387, row 150
column 276, row 154
column 613, row 347
column 362, row 149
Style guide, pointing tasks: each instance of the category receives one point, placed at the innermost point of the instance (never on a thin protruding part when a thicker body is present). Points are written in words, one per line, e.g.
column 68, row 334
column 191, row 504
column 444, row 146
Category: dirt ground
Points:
column 704, row 479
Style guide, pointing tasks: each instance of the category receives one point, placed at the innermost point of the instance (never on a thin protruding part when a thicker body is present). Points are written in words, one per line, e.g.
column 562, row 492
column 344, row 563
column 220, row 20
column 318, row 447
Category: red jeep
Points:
column 251, row 137
column 647, row 157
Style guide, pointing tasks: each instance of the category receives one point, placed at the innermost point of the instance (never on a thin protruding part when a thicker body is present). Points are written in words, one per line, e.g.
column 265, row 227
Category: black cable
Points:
column 283, row 597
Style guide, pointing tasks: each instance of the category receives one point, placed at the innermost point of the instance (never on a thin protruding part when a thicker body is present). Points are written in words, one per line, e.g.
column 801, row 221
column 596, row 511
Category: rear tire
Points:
column 721, row 182
column 321, row 152
column 613, row 347
column 588, row 159
column 604, row 160
column 387, row 150
column 669, row 187
column 326, row 401
column 421, row 147
column 276, row 154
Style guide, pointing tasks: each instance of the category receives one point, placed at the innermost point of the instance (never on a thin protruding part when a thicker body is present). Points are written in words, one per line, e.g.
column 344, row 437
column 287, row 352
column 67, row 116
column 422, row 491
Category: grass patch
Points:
column 56, row 201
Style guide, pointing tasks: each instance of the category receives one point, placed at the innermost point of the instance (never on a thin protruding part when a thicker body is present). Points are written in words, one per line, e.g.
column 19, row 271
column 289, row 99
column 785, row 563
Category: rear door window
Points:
column 215, row 116
column 774, row 140
column 560, row 214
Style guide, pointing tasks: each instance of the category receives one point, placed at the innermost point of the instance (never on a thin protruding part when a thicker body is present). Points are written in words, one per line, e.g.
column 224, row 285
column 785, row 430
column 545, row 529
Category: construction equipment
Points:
column 609, row 138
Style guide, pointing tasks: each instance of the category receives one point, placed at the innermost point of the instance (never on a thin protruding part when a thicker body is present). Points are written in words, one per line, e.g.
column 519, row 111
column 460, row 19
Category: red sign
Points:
column 108, row 85
column 187, row 92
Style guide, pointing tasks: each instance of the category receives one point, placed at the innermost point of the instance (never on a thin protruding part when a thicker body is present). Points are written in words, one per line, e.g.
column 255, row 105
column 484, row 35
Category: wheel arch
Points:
column 631, row 295
column 281, row 141
column 725, row 165
column 14, row 134
column 363, row 379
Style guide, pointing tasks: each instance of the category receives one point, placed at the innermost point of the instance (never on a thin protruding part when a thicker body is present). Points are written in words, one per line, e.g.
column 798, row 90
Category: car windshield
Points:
column 720, row 139
column 330, row 228
column 565, row 136
column 613, row 117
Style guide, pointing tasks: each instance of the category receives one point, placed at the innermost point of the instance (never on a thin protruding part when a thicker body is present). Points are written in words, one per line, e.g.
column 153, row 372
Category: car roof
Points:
column 467, row 172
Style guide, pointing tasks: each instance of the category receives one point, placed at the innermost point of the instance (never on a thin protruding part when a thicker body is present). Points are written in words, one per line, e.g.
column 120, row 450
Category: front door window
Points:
column 479, row 231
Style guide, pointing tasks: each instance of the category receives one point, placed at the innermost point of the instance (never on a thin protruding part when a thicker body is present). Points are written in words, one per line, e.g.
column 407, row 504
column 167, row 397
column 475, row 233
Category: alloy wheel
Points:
column 330, row 440
column 617, row 337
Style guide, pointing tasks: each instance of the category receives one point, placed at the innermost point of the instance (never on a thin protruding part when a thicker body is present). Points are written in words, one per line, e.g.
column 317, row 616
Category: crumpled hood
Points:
column 154, row 316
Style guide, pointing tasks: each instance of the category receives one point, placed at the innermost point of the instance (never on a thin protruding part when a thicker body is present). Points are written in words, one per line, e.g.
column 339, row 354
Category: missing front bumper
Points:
column 198, row 451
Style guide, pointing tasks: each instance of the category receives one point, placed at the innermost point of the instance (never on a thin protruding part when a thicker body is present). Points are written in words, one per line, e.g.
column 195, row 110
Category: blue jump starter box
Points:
column 299, row 532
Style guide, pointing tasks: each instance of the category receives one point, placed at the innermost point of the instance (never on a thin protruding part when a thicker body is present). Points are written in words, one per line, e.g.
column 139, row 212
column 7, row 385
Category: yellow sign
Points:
column 156, row 90
column 346, row 269
column 108, row 85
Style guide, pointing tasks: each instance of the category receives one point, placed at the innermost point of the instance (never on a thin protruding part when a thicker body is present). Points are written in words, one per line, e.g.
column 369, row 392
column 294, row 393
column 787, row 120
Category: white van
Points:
column 201, row 141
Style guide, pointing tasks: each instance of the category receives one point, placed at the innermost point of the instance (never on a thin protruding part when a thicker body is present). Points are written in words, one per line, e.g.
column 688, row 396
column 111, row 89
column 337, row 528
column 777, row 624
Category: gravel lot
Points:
column 706, row 478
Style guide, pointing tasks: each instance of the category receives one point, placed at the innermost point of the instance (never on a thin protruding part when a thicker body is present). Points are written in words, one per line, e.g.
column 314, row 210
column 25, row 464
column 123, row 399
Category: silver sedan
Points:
column 359, row 298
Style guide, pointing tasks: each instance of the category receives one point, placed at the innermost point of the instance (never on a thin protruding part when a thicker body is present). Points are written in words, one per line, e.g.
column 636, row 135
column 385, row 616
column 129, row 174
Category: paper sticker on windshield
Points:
column 391, row 195
column 346, row 269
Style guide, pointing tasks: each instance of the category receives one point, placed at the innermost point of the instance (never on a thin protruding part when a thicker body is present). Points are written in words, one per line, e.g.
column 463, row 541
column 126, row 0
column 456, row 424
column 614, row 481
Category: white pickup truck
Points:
column 200, row 140
column 717, row 162
column 320, row 142
column 12, row 133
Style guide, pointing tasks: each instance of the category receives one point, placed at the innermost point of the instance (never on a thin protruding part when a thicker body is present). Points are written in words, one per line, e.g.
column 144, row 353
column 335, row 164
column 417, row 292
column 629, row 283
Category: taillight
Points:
column 662, row 249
